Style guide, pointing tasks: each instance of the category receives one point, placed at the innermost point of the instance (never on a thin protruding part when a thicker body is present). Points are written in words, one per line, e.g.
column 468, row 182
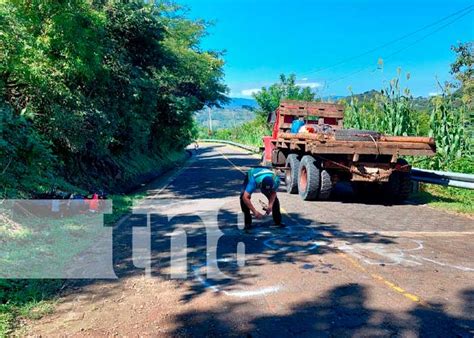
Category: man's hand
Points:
column 246, row 198
column 271, row 200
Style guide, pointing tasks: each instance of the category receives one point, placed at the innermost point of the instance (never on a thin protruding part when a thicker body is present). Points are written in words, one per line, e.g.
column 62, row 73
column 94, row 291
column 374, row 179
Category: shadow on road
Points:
column 341, row 312
column 298, row 243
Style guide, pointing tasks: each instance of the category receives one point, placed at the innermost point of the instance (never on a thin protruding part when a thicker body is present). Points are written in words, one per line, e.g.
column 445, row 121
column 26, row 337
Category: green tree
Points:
column 269, row 98
column 463, row 70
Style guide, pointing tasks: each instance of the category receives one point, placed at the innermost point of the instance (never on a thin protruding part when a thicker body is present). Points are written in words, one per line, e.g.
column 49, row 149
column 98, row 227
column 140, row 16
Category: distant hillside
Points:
column 332, row 98
column 419, row 103
column 238, row 102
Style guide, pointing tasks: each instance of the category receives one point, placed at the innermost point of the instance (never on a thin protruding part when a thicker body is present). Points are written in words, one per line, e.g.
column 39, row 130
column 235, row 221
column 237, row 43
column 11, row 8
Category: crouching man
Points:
column 268, row 183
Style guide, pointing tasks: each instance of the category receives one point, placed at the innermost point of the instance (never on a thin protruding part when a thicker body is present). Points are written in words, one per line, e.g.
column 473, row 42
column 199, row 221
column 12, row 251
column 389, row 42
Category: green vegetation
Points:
column 247, row 133
column 463, row 71
column 93, row 95
column 268, row 99
column 90, row 90
column 390, row 111
column 449, row 120
column 223, row 118
column 25, row 298
column 123, row 203
column 447, row 198
column 450, row 129
column 33, row 299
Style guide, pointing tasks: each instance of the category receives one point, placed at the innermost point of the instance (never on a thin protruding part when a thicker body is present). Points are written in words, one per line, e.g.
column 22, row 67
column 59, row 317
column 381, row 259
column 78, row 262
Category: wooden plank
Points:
column 306, row 136
column 413, row 139
column 310, row 104
column 291, row 141
column 316, row 138
column 362, row 147
column 370, row 151
column 304, row 108
column 312, row 110
column 285, row 126
column 319, row 113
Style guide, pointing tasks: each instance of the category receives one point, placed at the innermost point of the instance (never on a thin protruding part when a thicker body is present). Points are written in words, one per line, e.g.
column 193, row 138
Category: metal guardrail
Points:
column 243, row 146
column 444, row 178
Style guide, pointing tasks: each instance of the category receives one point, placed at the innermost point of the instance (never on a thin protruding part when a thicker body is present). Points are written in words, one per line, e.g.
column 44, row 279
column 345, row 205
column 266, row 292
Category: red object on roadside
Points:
column 94, row 203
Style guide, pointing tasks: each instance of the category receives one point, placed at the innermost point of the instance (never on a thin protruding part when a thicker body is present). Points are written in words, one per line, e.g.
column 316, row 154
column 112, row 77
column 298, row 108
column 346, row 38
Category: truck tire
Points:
column 326, row 186
column 356, row 135
column 278, row 158
column 398, row 187
column 291, row 175
column 309, row 179
column 405, row 187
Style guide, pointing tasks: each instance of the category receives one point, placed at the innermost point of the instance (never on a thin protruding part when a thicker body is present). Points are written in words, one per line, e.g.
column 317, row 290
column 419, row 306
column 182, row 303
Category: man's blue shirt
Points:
column 255, row 177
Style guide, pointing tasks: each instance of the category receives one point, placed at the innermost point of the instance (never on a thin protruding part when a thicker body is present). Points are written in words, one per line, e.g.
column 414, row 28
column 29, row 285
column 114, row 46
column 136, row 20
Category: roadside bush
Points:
column 25, row 156
column 84, row 86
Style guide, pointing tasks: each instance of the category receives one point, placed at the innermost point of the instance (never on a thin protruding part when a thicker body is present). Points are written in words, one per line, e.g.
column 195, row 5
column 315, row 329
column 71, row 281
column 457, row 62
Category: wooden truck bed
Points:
column 306, row 143
column 325, row 143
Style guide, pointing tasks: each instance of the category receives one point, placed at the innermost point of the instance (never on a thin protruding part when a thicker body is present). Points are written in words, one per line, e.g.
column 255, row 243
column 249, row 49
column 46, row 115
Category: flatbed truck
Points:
column 326, row 153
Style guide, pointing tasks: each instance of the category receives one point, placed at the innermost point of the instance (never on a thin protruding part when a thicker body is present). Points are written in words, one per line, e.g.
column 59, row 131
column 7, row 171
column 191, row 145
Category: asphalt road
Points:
column 339, row 268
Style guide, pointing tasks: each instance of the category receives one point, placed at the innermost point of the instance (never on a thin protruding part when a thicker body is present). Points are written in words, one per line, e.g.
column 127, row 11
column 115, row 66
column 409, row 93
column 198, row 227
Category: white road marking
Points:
column 238, row 294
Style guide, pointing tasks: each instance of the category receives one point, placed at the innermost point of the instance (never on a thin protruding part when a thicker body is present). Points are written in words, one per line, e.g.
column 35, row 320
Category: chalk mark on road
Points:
column 238, row 294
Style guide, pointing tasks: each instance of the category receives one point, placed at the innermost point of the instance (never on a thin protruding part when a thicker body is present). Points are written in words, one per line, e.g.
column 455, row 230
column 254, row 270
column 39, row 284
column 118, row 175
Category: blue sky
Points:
column 264, row 38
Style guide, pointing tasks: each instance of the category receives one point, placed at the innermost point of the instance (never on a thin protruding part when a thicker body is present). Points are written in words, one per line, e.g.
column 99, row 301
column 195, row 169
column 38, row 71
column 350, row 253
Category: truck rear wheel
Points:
column 291, row 174
column 398, row 188
column 326, row 186
column 309, row 179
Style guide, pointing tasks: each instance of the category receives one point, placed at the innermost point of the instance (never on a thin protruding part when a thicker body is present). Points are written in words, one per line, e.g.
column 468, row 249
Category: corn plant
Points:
column 398, row 113
column 362, row 115
column 450, row 129
column 389, row 112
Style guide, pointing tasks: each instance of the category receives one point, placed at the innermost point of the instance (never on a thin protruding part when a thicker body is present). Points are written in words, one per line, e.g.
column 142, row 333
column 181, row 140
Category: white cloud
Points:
column 311, row 85
column 304, row 79
column 434, row 94
column 250, row 92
